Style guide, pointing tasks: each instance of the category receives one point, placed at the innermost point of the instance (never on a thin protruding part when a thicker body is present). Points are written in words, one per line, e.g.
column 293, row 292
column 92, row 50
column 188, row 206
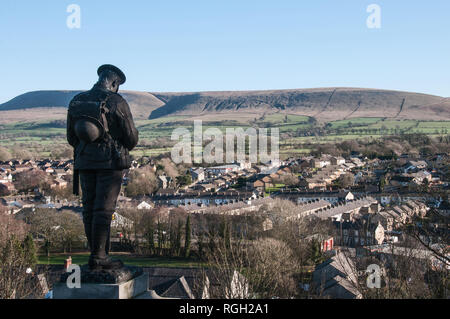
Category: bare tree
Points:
column 5, row 154
column 132, row 232
column 28, row 180
column 263, row 268
column 142, row 182
column 45, row 226
column 70, row 229
column 405, row 273
column 15, row 281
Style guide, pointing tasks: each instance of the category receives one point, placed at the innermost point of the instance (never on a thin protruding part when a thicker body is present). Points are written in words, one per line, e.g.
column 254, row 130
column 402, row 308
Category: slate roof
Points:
column 335, row 278
column 175, row 282
column 342, row 208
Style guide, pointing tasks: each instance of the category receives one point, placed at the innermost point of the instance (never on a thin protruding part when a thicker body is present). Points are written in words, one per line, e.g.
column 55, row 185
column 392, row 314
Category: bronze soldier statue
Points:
column 100, row 128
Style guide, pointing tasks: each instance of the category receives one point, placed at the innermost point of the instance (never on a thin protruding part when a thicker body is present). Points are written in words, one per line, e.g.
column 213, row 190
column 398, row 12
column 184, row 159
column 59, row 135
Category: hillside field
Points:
column 42, row 136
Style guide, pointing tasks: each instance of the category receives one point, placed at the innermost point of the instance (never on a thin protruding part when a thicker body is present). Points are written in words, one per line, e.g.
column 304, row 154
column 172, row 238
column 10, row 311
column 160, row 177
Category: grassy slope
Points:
column 81, row 259
column 46, row 132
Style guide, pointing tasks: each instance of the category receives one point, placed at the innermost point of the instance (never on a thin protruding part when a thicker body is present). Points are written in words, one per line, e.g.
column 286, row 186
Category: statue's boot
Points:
column 99, row 258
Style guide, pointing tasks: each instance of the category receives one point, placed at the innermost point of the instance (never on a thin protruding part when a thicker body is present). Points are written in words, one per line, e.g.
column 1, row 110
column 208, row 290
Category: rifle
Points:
column 76, row 177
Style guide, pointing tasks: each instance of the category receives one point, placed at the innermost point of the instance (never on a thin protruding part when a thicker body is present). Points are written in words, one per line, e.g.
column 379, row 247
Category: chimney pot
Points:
column 67, row 263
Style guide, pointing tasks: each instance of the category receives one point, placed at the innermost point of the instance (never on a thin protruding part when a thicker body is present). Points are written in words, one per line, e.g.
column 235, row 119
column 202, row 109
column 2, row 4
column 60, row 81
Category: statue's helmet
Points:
column 87, row 131
column 114, row 69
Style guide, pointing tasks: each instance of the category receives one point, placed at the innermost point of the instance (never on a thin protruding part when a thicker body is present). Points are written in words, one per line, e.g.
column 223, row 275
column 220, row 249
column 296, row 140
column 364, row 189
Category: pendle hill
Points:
column 36, row 121
column 322, row 104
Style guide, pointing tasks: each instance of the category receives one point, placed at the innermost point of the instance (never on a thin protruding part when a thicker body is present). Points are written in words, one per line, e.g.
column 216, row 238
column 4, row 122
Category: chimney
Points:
column 67, row 263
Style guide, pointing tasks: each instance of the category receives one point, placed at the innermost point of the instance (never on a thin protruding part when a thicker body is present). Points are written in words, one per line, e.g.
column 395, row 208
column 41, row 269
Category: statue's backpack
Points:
column 90, row 120
column 91, row 128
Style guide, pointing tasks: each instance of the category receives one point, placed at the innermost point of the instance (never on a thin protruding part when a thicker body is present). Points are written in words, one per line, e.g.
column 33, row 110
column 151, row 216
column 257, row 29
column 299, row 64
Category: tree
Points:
column 19, row 152
column 175, row 234
column 226, row 233
column 425, row 185
column 63, row 192
column 302, row 235
column 4, row 191
column 169, row 167
column 289, row 180
column 273, row 269
column 5, row 154
column 415, row 269
column 30, row 251
column 312, row 121
column 29, row 180
column 147, row 225
column 258, row 269
column 316, row 254
column 62, row 152
column 132, row 232
column 44, row 225
column 70, row 229
column 382, row 184
column 346, row 180
column 184, row 180
column 178, row 238
column 241, row 182
column 187, row 237
column 15, row 259
column 142, row 182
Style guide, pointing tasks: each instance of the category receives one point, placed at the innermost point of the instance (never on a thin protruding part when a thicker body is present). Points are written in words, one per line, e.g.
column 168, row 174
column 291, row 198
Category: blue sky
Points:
column 226, row 45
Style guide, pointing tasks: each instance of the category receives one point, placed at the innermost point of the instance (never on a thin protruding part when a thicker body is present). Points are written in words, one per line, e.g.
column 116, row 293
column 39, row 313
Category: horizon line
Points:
column 230, row 91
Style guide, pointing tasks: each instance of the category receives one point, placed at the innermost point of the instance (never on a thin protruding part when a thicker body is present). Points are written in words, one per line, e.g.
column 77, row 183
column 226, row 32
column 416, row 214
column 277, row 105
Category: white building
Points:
column 198, row 174
column 144, row 205
column 223, row 169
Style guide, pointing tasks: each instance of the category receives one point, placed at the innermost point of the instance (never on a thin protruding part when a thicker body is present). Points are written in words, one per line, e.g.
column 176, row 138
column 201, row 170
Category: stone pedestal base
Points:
column 126, row 290
column 126, row 283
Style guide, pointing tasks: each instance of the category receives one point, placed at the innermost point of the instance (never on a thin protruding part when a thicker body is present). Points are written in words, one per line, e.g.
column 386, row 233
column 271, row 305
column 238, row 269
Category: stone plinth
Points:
column 124, row 283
